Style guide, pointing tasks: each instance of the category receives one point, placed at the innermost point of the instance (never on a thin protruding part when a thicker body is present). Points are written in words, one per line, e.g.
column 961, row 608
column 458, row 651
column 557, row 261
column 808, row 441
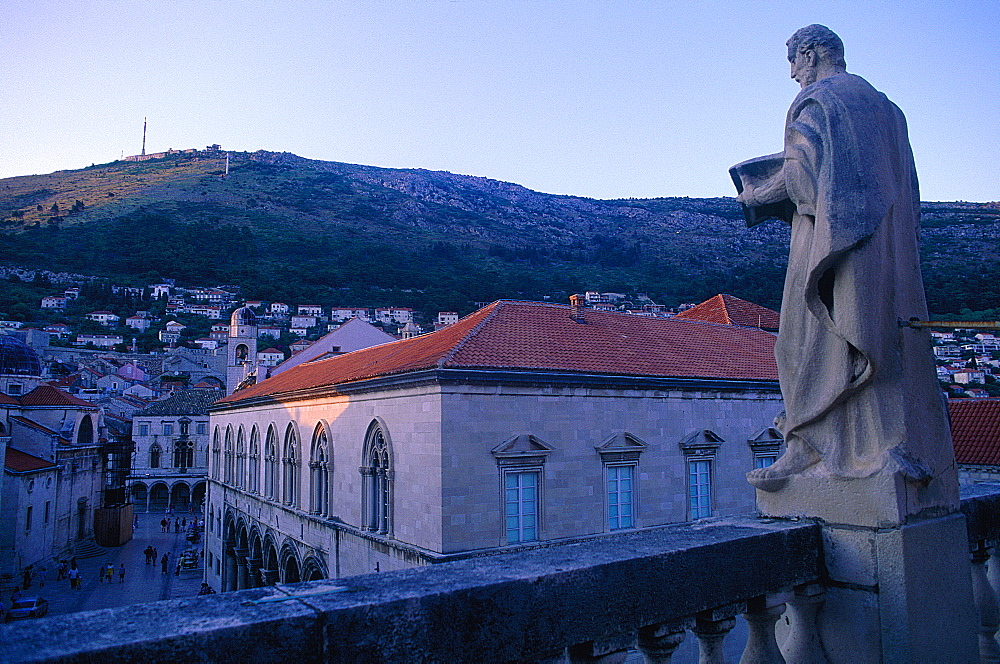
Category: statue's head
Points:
column 814, row 52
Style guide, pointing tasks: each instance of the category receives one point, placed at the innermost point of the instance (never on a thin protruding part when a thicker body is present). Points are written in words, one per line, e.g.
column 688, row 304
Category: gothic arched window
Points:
column 216, row 455
column 253, row 477
column 241, row 459
column 227, row 452
column 183, row 453
column 271, row 464
column 319, row 473
column 154, row 455
column 377, row 480
column 290, row 461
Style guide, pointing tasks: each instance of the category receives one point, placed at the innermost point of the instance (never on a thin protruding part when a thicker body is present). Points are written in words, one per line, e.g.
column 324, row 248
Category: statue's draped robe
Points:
column 855, row 385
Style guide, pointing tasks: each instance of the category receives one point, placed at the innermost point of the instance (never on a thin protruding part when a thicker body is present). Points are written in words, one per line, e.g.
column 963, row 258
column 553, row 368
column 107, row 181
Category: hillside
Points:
column 287, row 228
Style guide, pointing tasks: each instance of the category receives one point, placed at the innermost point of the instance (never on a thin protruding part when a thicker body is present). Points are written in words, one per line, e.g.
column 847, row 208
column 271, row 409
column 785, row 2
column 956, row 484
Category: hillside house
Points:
column 303, row 322
column 99, row 340
column 394, row 315
column 59, row 330
column 310, row 310
column 56, row 302
column 445, row 318
column 140, row 323
column 270, row 357
column 106, row 318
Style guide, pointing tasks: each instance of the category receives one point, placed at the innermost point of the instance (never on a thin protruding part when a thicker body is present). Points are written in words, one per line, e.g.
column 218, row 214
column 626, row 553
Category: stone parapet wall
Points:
column 524, row 605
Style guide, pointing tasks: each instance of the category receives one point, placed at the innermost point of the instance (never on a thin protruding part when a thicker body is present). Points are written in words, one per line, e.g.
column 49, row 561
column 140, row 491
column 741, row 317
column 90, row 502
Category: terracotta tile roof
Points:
column 183, row 402
column 975, row 430
column 531, row 335
column 8, row 401
column 728, row 310
column 21, row 462
column 46, row 395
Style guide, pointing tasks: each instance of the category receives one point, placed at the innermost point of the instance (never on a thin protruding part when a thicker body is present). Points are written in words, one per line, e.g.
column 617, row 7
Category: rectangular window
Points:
column 47, row 503
column 620, row 497
column 168, row 429
column 699, row 489
column 521, row 500
column 202, row 428
column 27, row 519
column 143, row 429
column 14, row 389
column 764, row 460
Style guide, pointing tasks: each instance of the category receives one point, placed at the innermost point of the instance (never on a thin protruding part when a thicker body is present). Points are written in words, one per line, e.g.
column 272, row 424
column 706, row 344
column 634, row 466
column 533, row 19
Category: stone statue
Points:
column 860, row 391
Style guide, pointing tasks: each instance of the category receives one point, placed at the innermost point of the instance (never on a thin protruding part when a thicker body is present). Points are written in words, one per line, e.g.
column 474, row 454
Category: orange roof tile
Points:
column 975, row 430
column 728, row 310
column 22, row 462
column 8, row 401
column 543, row 337
column 46, row 395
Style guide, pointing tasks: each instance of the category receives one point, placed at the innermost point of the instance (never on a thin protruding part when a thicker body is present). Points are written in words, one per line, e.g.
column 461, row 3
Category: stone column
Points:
column 229, row 579
column 253, row 572
column 242, row 571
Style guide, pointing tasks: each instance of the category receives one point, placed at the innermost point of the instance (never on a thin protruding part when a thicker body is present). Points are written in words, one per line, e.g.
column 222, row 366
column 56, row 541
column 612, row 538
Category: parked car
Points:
column 27, row 607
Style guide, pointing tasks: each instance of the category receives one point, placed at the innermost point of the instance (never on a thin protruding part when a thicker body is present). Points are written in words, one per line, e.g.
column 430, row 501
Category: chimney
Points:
column 576, row 307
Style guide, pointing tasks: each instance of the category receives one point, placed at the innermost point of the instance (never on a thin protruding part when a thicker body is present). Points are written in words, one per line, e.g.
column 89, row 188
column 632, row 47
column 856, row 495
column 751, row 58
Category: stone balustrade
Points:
column 593, row 600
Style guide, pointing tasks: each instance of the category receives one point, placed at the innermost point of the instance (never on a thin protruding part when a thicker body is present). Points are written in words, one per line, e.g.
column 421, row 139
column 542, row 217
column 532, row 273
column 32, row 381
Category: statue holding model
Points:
column 860, row 391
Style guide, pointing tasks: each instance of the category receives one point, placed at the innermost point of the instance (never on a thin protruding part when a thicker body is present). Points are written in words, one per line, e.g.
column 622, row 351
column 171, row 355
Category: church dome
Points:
column 243, row 316
column 17, row 358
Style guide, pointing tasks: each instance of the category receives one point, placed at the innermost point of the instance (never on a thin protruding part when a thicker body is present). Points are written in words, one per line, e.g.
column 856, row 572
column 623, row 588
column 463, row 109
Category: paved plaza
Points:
column 143, row 583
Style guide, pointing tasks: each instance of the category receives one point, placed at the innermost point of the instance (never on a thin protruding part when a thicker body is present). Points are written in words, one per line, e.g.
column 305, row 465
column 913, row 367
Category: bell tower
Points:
column 241, row 353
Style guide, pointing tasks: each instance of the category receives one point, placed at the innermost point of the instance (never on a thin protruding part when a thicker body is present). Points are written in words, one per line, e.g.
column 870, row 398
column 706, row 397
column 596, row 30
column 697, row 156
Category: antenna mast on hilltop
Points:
column 144, row 137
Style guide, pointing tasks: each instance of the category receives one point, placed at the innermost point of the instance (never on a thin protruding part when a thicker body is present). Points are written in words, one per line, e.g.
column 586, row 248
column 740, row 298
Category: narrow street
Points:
column 143, row 583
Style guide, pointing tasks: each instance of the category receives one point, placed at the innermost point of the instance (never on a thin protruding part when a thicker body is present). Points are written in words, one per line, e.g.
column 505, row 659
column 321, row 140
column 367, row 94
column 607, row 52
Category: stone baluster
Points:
column 803, row 643
column 608, row 651
column 711, row 628
column 658, row 642
column 762, row 613
column 993, row 569
column 986, row 604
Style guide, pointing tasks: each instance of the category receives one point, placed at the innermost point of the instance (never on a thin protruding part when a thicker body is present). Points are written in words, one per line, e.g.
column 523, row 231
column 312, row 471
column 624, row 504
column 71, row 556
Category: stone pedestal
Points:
column 897, row 558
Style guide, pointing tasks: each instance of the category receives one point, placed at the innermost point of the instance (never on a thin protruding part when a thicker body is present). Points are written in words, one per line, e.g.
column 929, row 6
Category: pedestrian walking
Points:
column 163, row 525
column 109, row 572
column 74, row 579
column 26, row 577
column 61, row 569
column 121, row 573
column 177, row 526
column 164, row 563
column 177, row 572
column 184, row 522
column 155, row 555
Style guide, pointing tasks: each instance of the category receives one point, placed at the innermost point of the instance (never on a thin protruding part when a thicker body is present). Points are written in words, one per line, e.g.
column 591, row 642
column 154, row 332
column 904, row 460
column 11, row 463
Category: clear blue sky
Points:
column 608, row 99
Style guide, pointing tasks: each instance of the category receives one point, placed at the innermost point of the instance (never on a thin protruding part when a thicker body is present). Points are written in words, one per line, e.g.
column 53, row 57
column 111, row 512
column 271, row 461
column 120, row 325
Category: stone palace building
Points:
column 522, row 424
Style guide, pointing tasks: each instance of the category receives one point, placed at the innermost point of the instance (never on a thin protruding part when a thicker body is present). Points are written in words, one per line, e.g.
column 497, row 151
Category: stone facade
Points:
column 446, row 492
column 171, row 452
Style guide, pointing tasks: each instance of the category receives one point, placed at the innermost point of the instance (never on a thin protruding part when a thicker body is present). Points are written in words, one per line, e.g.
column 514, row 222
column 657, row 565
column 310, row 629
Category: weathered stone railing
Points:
column 594, row 598
column 587, row 601
column 981, row 505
